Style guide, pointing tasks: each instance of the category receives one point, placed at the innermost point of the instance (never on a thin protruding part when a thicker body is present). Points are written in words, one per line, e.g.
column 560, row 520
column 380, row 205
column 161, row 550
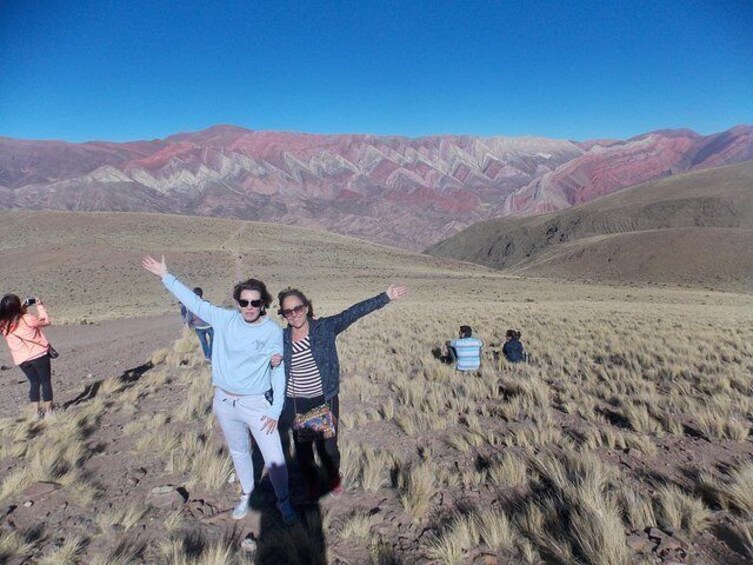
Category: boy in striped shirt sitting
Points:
column 466, row 350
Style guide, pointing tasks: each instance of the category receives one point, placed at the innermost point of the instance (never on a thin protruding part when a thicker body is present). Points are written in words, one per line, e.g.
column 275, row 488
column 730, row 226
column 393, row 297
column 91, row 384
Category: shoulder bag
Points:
column 317, row 423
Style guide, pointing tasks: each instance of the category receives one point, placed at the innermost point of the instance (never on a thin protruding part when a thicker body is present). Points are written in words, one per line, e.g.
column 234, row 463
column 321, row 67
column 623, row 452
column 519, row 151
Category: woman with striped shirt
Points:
column 312, row 371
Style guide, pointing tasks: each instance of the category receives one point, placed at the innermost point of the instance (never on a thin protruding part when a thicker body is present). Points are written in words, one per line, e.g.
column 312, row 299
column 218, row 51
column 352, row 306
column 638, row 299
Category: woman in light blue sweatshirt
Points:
column 244, row 342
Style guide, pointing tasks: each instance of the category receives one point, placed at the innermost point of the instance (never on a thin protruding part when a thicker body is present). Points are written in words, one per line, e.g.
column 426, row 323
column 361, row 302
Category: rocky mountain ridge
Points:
column 395, row 190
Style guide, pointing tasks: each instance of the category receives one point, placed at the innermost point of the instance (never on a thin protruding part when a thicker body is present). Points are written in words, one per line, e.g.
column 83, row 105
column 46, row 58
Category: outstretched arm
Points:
column 344, row 319
column 193, row 303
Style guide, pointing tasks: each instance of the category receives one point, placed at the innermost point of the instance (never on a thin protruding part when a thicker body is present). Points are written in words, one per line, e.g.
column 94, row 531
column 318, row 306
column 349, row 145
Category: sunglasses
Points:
column 288, row 312
column 246, row 303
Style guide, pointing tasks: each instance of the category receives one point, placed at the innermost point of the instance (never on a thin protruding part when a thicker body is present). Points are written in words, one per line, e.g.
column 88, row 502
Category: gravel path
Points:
column 101, row 350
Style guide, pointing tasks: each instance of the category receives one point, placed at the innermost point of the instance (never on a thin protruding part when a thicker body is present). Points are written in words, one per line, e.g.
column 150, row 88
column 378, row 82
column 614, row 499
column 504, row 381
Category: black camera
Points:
column 30, row 301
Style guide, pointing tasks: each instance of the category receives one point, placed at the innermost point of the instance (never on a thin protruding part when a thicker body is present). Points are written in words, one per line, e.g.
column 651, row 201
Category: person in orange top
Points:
column 29, row 347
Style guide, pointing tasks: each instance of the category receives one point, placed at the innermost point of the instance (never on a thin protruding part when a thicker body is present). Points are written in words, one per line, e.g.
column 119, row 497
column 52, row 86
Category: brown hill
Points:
column 714, row 257
column 87, row 265
column 690, row 229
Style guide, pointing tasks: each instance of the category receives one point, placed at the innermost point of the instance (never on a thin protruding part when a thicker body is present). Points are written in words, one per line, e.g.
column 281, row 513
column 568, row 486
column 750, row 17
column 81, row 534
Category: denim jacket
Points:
column 322, row 335
column 513, row 351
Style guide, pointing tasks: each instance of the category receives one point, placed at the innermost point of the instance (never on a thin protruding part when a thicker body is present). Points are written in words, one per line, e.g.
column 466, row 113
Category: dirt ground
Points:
column 146, row 480
column 89, row 353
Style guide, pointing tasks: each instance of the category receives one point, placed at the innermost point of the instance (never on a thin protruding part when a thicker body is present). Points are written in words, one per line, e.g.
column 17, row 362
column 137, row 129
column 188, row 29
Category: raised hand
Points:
column 155, row 267
column 396, row 292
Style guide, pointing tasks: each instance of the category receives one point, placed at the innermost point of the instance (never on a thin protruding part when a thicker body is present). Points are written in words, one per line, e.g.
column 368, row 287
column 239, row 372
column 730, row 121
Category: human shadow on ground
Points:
column 129, row 377
column 133, row 375
column 615, row 418
column 734, row 541
column 277, row 543
column 89, row 393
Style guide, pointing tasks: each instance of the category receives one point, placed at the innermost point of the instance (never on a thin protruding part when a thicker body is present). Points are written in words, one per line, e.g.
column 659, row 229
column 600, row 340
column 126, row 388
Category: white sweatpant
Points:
column 237, row 416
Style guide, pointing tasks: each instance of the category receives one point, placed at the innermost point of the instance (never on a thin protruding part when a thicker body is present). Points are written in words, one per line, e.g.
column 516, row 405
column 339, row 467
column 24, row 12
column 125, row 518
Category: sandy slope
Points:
column 100, row 350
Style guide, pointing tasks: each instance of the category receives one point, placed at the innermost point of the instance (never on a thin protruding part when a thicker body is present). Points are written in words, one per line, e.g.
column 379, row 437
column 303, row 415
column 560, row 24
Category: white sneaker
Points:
column 241, row 509
column 248, row 545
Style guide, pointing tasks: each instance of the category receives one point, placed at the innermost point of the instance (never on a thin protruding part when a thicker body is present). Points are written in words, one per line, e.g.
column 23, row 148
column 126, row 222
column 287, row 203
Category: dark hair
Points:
column 298, row 294
column 11, row 309
column 253, row 284
column 466, row 331
column 513, row 334
column 198, row 292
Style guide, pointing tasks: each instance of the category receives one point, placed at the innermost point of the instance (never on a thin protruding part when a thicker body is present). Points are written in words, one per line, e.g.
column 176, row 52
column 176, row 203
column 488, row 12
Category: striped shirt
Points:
column 467, row 352
column 305, row 380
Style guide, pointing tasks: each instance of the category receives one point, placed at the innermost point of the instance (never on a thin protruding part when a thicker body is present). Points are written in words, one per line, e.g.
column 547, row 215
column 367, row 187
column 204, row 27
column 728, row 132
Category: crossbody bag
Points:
column 317, row 423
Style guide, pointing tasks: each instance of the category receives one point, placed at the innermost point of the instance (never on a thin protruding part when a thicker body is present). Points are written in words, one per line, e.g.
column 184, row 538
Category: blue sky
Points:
column 82, row 70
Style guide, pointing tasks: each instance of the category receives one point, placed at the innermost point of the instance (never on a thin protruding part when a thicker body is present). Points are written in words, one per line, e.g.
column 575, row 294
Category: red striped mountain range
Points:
column 409, row 192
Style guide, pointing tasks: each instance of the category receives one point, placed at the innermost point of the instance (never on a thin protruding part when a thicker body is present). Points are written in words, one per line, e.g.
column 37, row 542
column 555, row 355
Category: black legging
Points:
column 327, row 449
column 38, row 372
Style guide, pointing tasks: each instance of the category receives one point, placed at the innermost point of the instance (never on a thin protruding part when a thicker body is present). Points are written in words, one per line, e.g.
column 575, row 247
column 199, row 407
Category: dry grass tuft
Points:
column 381, row 552
column 357, row 526
column 127, row 552
column 417, row 486
column 637, row 509
column 192, row 549
column 496, row 530
column 126, row 516
column 734, row 491
column 744, row 531
column 210, row 464
column 680, row 511
column 375, row 472
column 13, row 545
column 579, row 506
column 541, row 523
column 453, row 544
column 53, row 453
column 70, row 553
column 509, row 470
column 159, row 356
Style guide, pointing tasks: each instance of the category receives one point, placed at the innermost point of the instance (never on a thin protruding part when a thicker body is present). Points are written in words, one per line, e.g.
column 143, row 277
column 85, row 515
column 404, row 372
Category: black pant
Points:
column 38, row 372
column 327, row 449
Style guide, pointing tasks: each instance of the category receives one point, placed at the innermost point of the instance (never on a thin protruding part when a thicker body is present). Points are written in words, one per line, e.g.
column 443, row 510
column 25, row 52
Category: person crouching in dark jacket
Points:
column 312, row 371
column 513, row 349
